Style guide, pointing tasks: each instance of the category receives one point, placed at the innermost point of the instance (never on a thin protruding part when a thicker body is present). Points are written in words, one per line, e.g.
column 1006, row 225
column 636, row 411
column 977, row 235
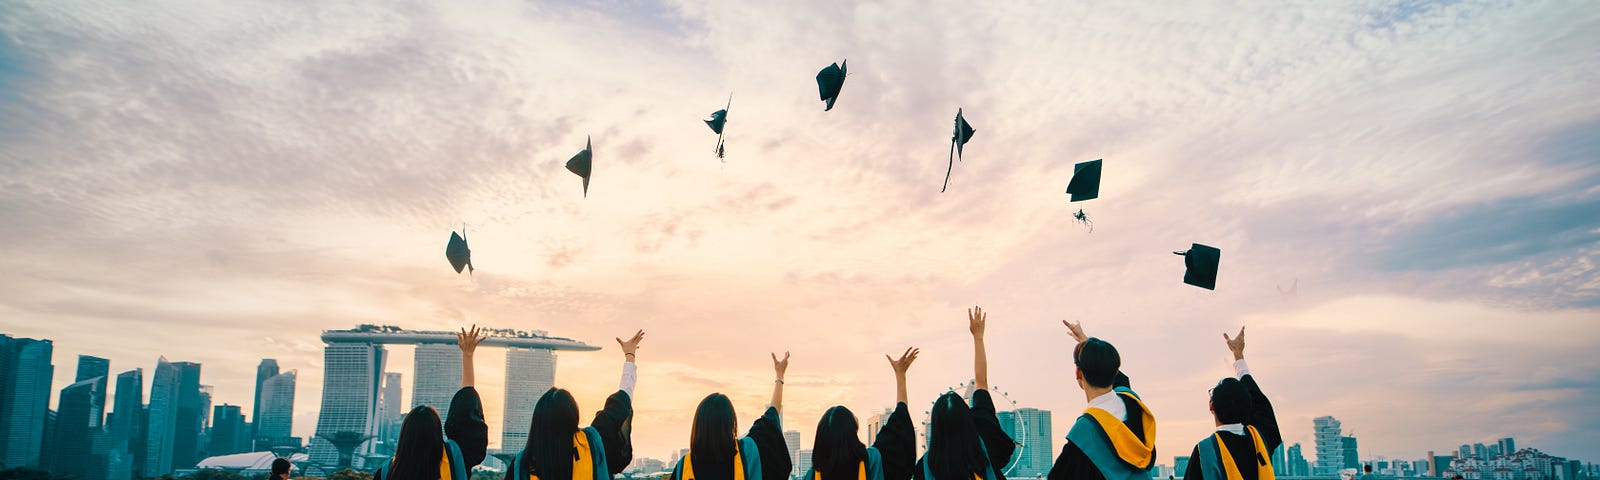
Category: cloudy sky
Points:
column 1406, row 195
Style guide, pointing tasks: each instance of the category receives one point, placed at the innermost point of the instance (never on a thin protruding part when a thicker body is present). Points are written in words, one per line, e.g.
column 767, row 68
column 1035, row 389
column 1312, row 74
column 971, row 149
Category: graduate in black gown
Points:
column 838, row 453
column 1247, row 430
column 596, row 452
column 421, row 453
column 967, row 443
column 714, row 453
column 1115, row 438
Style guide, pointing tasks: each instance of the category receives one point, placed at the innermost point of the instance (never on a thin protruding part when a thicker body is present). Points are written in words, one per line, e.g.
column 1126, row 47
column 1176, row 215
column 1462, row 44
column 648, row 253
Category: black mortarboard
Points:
column 458, row 253
column 963, row 133
column 582, row 164
column 1200, row 262
column 718, row 120
column 829, row 81
column 1085, row 183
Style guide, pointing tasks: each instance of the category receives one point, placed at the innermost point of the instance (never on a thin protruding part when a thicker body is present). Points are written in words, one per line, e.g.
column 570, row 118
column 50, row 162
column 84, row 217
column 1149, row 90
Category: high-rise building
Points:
column 875, row 423
column 276, row 422
column 1348, row 446
column 228, row 432
column 390, row 412
column 1296, row 462
column 76, row 431
column 529, row 373
column 1330, row 445
column 190, row 417
column 268, row 368
column 804, row 464
column 1180, row 464
column 351, row 372
column 161, row 417
column 1507, row 446
column 1039, row 445
column 125, row 426
column 791, row 439
column 25, row 374
column 95, row 367
column 437, row 376
column 1279, row 465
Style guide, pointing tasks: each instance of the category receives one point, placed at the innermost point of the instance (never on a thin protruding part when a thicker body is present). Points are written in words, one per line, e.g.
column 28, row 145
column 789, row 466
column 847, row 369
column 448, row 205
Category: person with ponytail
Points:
column 967, row 443
column 838, row 453
column 421, row 453
column 558, row 450
column 715, row 453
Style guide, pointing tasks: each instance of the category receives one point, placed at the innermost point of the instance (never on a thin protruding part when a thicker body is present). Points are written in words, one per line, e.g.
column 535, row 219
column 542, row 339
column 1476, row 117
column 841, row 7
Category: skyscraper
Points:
column 529, row 373
column 228, row 432
column 1507, row 446
column 268, row 368
column 1330, row 445
column 162, row 417
column 875, row 423
column 351, row 372
column 95, row 367
column 189, row 416
column 791, row 439
column 1038, row 455
column 1279, row 463
column 437, row 375
column 125, row 425
column 76, row 431
column 390, row 411
column 25, row 373
column 1297, row 465
column 1351, row 458
column 277, row 410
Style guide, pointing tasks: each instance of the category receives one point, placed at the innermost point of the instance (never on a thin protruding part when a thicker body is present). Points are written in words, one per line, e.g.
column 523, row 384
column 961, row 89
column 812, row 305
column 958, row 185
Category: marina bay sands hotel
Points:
column 360, row 401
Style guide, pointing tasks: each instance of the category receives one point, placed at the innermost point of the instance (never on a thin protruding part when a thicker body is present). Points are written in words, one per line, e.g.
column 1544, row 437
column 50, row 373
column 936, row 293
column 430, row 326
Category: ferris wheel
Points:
column 1004, row 407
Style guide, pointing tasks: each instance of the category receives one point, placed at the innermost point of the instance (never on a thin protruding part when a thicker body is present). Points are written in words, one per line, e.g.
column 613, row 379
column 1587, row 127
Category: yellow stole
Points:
column 1127, row 445
column 444, row 465
column 738, row 466
column 583, row 465
column 861, row 472
column 1263, row 472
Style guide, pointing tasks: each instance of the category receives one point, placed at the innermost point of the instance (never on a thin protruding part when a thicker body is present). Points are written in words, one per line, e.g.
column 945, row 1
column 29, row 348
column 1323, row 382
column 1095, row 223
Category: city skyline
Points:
column 1403, row 194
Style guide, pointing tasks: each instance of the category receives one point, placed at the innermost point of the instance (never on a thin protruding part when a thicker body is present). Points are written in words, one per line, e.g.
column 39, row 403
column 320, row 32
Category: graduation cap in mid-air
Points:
column 457, row 252
column 718, row 120
column 829, row 81
column 963, row 133
column 1200, row 262
column 1085, row 183
column 582, row 164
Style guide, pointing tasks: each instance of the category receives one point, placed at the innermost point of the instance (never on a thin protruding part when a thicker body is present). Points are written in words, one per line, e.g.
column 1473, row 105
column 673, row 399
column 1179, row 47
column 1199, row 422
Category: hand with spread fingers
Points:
column 900, row 366
column 631, row 346
column 1236, row 344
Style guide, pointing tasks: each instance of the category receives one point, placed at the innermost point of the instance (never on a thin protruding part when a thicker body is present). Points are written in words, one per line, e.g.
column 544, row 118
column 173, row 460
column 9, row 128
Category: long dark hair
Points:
column 711, row 441
column 953, row 449
column 549, row 449
column 837, row 453
column 417, row 452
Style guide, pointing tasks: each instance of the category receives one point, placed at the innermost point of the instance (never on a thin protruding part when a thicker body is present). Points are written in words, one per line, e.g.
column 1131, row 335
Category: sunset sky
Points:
column 1406, row 195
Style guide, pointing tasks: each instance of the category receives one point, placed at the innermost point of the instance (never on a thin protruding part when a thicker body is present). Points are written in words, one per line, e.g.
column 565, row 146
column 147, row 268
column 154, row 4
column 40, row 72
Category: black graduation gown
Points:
column 1000, row 445
column 767, row 431
column 1240, row 446
column 466, row 427
column 897, row 444
column 1072, row 464
column 615, row 424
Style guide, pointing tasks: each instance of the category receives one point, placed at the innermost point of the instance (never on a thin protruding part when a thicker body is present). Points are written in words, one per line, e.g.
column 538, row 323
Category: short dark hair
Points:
column 1098, row 360
column 1367, row 467
column 1231, row 401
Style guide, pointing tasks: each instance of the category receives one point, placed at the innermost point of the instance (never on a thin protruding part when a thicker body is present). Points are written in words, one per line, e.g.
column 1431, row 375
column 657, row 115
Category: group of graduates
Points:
column 1113, row 439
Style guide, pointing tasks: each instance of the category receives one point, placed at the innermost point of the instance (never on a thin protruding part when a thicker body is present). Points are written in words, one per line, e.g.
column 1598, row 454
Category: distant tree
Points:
column 210, row 474
column 350, row 474
column 25, row 473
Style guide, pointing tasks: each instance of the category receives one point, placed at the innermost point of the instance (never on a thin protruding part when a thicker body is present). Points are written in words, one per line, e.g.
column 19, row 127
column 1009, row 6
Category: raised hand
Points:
column 904, row 363
column 900, row 366
column 1076, row 329
column 975, row 321
column 468, row 340
column 780, row 366
column 631, row 346
column 1236, row 344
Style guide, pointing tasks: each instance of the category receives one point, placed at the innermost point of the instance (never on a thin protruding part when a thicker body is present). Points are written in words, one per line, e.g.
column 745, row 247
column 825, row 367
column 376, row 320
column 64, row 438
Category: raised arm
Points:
column 778, row 366
column 1262, row 415
column 629, row 373
column 900, row 366
column 468, row 341
column 980, row 359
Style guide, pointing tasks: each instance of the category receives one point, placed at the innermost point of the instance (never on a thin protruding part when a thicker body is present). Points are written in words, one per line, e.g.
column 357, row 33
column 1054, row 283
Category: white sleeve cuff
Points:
column 1241, row 368
column 630, row 376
